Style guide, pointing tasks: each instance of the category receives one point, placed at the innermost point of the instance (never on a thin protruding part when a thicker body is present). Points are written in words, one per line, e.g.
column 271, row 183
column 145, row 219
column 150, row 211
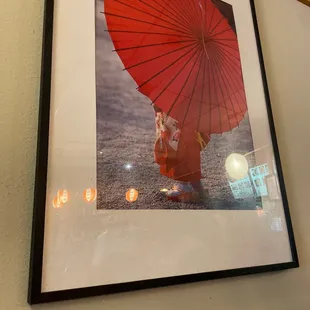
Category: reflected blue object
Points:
column 242, row 188
column 253, row 185
column 258, row 175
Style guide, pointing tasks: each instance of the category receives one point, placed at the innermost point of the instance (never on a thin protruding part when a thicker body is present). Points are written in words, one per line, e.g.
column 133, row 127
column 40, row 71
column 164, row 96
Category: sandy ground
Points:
column 126, row 135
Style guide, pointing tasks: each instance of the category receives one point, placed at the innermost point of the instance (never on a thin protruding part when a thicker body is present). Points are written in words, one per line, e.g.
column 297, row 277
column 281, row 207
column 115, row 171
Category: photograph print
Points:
column 158, row 161
column 173, row 130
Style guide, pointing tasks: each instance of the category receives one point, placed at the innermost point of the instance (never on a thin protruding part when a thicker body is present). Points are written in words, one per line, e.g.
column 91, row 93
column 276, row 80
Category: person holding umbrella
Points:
column 184, row 56
column 177, row 152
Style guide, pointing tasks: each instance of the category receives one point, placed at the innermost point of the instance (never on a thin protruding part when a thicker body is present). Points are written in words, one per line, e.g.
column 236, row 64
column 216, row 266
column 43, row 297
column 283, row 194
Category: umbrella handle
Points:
column 156, row 108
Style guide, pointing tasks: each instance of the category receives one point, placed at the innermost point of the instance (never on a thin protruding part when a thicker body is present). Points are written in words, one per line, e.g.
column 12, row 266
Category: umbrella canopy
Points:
column 184, row 57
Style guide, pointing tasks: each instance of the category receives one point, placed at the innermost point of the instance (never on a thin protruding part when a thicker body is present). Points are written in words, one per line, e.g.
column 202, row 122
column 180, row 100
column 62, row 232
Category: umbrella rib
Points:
column 218, row 23
column 238, row 101
column 163, row 70
column 210, row 99
column 145, row 22
column 229, row 70
column 231, row 40
column 224, row 83
column 194, row 11
column 173, row 12
column 211, row 19
column 180, row 14
column 151, row 33
column 186, row 21
column 147, row 13
column 235, row 58
column 183, row 86
column 157, row 57
column 151, row 45
column 193, row 91
column 223, row 31
column 217, row 102
column 174, row 78
column 243, row 100
column 205, row 18
column 187, row 13
column 236, row 72
column 202, row 92
column 229, row 67
column 234, row 93
column 185, row 97
column 227, row 75
column 202, row 12
column 221, row 43
column 215, row 106
column 178, row 22
column 224, row 101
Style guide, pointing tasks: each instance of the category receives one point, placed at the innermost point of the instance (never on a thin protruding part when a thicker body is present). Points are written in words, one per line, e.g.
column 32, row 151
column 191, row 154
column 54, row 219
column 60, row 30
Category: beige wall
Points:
column 285, row 31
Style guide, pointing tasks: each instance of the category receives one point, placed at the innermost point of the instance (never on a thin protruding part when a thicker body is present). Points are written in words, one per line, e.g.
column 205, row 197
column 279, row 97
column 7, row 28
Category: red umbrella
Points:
column 184, row 57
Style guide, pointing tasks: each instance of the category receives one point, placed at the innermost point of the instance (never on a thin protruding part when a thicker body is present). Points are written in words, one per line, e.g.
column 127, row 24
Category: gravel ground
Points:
column 126, row 135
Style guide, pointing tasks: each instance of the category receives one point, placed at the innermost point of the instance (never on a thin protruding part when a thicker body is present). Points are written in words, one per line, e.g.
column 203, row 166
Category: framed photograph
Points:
column 306, row 2
column 157, row 156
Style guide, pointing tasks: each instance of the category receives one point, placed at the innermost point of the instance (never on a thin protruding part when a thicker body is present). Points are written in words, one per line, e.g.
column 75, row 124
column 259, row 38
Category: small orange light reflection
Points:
column 164, row 190
column 132, row 195
column 260, row 212
column 57, row 203
column 63, row 195
column 90, row 194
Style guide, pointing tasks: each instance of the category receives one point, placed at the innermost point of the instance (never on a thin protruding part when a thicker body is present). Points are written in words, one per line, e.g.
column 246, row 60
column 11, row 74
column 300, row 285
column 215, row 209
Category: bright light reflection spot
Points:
column 132, row 195
column 164, row 190
column 128, row 166
column 260, row 211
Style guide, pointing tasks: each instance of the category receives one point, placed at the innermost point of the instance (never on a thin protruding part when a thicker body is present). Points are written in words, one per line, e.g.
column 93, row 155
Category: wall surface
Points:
column 285, row 32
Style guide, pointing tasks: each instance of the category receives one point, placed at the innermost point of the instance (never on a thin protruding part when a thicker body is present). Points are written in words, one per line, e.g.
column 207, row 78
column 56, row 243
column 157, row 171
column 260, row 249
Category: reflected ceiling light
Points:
column 237, row 166
column 63, row 195
column 132, row 195
column 90, row 194
column 260, row 212
column 57, row 203
column 128, row 166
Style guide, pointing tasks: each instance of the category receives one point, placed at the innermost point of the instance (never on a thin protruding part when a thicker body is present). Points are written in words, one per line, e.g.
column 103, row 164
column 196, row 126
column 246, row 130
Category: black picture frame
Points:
column 35, row 295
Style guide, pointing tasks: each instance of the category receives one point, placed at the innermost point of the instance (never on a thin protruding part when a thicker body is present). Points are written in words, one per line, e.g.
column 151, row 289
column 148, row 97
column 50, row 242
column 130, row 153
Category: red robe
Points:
column 177, row 151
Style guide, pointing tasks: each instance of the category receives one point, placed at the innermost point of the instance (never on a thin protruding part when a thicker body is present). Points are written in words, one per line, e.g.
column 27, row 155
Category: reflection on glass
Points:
column 90, row 194
column 132, row 195
column 242, row 188
column 276, row 224
column 260, row 212
column 128, row 166
column 63, row 195
column 237, row 166
column 57, row 203
column 258, row 183
column 258, row 175
column 273, row 187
